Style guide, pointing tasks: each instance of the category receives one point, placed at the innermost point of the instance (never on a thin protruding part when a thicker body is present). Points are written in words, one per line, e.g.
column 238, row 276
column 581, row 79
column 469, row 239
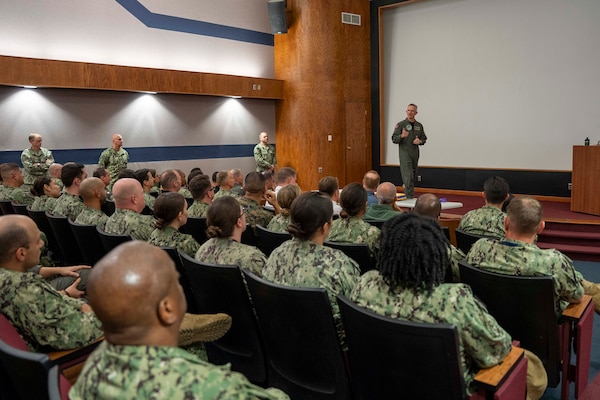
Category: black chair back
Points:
column 446, row 232
column 249, row 237
column 378, row 224
column 6, row 207
column 465, row 240
column 270, row 240
column 40, row 219
column 304, row 357
column 184, row 280
column 108, row 207
column 524, row 307
column 20, row 208
column 357, row 252
column 65, row 239
column 387, row 355
column 89, row 243
column 197, row 228
column 221, row 288
column 111, row 240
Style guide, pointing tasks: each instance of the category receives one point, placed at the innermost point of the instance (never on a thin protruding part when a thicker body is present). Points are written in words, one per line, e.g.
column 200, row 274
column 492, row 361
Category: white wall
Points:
column 499, row 84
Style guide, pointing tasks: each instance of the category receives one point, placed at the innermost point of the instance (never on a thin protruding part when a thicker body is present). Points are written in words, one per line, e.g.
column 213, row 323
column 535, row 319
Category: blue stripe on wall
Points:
column 145, row 154
column 185, row 25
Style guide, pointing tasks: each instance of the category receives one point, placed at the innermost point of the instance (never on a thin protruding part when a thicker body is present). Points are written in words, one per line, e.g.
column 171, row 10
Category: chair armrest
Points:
column 68, row 358
column 574, row 311
column 493, row 376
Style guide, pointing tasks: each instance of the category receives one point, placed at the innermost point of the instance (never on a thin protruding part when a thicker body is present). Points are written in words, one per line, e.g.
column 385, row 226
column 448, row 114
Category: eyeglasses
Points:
column 244, row 209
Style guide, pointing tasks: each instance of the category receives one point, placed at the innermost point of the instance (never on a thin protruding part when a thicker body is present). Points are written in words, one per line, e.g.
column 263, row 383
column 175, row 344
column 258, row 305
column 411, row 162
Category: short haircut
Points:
column 371, row 179
column 126, row 173
column 141, row 175
column 33, row 136
column 11, row 238
column 237, row 173
column 254, row 182
column 182, row 177
column 284, row 173
column 89, row 186
column 7, row 169
column 524, row 215
column 386, row 193
column 287, row 195
column 414, row 105
column 37, row 189
column 199, row 186
column 168, row 179
column 496, row 189
column 70, row 171
column 167, row 207
column 353, row 200
column 222, row 216
column 328, row 185
column 222, row 177
column 428, row 205
column 309, row 212
column 193, row 173
column 100, row 172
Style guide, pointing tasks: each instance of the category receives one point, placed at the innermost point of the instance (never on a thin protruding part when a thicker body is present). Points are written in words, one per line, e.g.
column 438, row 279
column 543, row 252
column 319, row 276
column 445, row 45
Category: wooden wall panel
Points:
column 325, row 65
column 19, row 71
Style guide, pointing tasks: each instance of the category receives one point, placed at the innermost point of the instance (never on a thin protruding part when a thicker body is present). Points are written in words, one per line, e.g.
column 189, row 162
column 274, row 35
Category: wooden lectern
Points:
column 585, row 193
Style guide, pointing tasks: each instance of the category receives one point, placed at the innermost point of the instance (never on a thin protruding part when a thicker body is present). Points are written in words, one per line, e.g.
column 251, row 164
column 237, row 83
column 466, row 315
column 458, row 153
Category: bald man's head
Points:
column 128, row 194
column 92, row 187
column 20, row 243
column 428, row 205
column 386, row 193
column 135, row 292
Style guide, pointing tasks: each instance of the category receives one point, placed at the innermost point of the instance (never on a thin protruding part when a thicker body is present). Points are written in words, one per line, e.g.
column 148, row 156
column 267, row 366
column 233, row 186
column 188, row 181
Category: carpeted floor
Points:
column 591, row 272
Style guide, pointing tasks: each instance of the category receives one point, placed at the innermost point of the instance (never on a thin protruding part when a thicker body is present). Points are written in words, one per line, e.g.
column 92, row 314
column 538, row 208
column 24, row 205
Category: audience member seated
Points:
column 214, row 180
column 12, row 188
column 170, row 210
column 269, row 180
column 254, row 199
column 193, row 173
column 183, row 190
column 225, row 182
column 156, row 187
column 93, row 193
column 55, row 171
column 428, row 205
column 69, row 204
column 409, row 285
column 170, row 181
column 226, row 221
column 129, row 203
column 140, row 357
column 489, row 219
column 145, row 178
column 303, row 261
column 350, row 227
column 202, row 192
column 45, row 192
column 47, row 319
column 370, row 182
column 330, row 187
column 238, row 179
column 285, row 197
column 386, row 204
column 517, row 254
column 285, row 176
column 104, row 176
column 126, row 173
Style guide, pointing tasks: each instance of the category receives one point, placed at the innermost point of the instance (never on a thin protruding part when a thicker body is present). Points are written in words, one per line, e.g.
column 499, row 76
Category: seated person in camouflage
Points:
column 226, row 221
column 93, row 192
column 145, row 178
column 170, row 210
column 139, row 358
column 517, row 254
column 12, row 188
column 225, row 182
column 129, row 203
column 45, row 192
column 201, row 188
column 104, row 176
column 156, row 176
column 47, row 319
column 238, row 179
column 285, row 197
column 183, row 189
column 489, row 219
column 254, row 199
column 329, row 186
column 386, row 206
column 428, row 205
column 409, row 285
column 305, row 262
column 350, row 228
column 269, row 183
column 170, row 181
column 69, row 204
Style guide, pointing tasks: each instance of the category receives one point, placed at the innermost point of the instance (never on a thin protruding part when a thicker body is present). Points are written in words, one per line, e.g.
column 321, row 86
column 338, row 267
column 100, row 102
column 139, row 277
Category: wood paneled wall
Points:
column 19, row 71
column 326, row 68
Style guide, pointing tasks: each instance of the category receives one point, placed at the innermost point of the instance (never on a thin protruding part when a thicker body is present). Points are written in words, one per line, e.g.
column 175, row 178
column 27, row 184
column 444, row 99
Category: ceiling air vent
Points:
column 352, row 19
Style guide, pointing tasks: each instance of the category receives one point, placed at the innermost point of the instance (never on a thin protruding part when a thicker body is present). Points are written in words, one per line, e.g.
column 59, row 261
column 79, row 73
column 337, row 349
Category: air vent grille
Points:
column 351, row 19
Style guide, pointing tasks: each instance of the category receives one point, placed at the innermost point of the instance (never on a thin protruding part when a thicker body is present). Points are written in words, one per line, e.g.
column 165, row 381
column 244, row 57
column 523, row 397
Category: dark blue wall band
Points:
column 185, row 25
column 144, row 154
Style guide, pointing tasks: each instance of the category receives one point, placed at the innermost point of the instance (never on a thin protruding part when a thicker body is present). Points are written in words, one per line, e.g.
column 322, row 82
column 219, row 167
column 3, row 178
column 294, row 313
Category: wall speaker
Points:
column 277, row 16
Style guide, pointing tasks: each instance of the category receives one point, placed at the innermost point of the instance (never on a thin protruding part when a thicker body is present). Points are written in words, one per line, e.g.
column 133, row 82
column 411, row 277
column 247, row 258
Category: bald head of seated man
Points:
column 128, row 195
column 136, row 294
column 428, row 205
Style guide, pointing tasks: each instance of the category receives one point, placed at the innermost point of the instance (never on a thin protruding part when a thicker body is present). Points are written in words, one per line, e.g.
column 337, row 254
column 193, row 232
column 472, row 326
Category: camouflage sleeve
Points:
column 568, row 280
column 260, row 158
column 256, row 263
column 103, row 159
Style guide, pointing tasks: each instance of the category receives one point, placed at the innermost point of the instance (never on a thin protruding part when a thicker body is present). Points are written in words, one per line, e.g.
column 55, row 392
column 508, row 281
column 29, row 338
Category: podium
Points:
column 585, row 192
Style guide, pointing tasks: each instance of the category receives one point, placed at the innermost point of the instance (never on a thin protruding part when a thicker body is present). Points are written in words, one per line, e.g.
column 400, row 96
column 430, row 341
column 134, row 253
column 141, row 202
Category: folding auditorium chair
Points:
column 89, row 243
column 110, row 240
column 304, row 356
column 40, row 219
column 65, row 239
column 270, row 240
column 359, row 252
column 524, row 307
column 197, row 228
column 20, row 208
column 6, row 207
column 419, row 360
column 221, row 288
column 465, row 240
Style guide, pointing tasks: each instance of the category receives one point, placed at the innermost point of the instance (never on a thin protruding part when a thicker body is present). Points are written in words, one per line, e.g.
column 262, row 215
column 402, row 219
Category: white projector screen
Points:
column 508, row 84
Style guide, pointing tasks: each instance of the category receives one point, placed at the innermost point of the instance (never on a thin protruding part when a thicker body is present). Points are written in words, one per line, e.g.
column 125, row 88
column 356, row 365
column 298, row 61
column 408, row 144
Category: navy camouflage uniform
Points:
column 129, row 222
column 171, row 237
column 485, row 221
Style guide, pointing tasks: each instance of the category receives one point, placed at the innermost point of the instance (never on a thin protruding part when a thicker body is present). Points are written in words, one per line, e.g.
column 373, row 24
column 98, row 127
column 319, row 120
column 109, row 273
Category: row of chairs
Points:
column 285, row 337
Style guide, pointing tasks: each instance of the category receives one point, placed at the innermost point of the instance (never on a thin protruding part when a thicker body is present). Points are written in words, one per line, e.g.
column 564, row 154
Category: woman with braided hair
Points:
column 285, row 197
column 409, row 285
column 305, row 262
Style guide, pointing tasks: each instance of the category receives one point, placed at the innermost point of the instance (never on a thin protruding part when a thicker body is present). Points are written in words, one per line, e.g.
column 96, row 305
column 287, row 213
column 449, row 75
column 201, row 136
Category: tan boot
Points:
column 593, row 289
column 203, row 328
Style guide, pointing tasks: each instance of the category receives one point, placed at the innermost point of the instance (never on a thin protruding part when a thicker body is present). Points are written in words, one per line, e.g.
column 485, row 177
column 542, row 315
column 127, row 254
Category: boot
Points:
column 593, row 289
column 203, row 328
